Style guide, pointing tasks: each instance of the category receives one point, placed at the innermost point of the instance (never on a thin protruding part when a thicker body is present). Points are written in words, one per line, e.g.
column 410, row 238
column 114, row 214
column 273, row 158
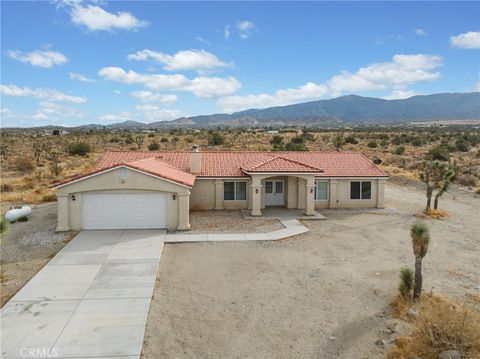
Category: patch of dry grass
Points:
column 439, row 324
column 432, row 214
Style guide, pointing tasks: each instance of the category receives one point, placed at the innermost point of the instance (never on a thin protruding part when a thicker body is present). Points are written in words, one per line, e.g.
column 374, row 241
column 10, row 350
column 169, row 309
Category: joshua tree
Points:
column 37, row 151
column 420, row 240
column 138, row 140
column 438, row 176
column 338, row 142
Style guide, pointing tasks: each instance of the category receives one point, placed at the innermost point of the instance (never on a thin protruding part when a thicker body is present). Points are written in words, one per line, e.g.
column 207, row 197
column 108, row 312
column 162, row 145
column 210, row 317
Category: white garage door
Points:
column 124, row 210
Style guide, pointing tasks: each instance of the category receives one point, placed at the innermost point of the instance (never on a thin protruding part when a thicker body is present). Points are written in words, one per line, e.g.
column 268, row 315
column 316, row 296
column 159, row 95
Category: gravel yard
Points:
column 323, row 294
column 229, row 222
column 27, row 247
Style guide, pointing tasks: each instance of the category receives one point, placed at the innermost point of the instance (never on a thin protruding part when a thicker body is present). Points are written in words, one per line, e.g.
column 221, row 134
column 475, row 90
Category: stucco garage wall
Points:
column 110, row 181
column 203, row 195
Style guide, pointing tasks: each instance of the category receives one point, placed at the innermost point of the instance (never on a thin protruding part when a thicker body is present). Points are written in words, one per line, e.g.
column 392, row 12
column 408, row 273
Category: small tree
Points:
column 78, row 148
column 338, row 142
column 438, row 176
column 37, row 151
column 216, row 139
column 138, row 140
column 55, row 158
column 406, row 282
column 154, row 146
column 420, row 241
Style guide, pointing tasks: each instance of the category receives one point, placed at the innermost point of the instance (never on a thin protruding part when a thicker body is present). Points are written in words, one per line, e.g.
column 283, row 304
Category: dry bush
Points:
column 441, row 324
column 432, row 214
column 466, row 180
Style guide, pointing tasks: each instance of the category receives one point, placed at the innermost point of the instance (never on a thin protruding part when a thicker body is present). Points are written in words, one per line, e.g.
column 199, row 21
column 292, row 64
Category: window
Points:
column 361, row 190
column 234, row 191
column 123, row 173
column 321, row 191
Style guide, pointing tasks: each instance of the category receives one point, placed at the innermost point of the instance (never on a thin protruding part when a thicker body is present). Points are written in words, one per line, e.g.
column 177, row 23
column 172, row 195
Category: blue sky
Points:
column 76, row 62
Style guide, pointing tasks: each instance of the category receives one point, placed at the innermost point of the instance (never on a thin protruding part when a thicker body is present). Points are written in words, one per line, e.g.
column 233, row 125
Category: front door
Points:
column 274, row 193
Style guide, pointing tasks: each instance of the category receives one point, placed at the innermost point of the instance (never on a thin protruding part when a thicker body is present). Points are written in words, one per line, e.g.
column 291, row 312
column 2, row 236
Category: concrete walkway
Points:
column 90, row 301
column 292, row 228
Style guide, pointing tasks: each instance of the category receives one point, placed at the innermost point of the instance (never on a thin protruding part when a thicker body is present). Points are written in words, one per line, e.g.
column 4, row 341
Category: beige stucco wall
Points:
column 110, row 181
column 203, row 195
column 341, row 198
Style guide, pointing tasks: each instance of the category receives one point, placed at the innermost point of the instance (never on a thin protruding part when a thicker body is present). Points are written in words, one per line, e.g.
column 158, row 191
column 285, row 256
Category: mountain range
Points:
column 344, row 110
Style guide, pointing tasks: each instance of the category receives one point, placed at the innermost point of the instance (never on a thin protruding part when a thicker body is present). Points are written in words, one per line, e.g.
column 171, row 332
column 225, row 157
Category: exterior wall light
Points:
column 311, row 190
column 256, row 190
column 73, row 197
column 174, row 196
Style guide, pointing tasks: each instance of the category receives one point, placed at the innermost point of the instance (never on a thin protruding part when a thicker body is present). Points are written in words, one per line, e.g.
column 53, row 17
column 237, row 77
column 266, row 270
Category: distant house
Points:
column 272, row 132
column 142, row 189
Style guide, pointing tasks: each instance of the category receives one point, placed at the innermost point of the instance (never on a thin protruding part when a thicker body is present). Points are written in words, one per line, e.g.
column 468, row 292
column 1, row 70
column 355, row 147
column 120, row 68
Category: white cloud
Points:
column 148, row 96
column 39, row 58
column 144, row 113
column 402, row 71
column 199, row 60
column 467, row 40
column 395, row 75
column 153, row 113
column 46, row 94
column 95, row 18
column 79, row 77
column 279, row 98
column 400, row 94
column 245, row 28
column 201, row 86
column 420, row 32
column 226, row 31
column 51, row 111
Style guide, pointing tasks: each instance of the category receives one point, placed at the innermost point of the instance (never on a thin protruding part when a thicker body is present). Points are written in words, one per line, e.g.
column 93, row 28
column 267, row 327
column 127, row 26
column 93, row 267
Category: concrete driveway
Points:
column 91, row 300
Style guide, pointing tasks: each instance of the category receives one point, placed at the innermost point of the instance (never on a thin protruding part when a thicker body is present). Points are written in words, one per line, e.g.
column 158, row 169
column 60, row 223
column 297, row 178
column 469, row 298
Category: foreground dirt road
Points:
column 318, row 295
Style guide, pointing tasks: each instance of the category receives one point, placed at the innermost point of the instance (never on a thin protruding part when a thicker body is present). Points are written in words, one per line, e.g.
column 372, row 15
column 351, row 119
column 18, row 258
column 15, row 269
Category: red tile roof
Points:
column 175, row 165
column 230, row 164
column 281, row 164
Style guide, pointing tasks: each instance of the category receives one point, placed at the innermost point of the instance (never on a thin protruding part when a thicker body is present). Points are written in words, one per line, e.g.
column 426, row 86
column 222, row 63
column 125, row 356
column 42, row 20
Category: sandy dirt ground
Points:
column 27, row 247
column 229, row 222
column 324, row 294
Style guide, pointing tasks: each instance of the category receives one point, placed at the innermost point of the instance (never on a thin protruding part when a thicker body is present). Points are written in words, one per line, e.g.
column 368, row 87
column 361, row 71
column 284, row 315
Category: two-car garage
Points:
column 124, row 198
column 124, row 210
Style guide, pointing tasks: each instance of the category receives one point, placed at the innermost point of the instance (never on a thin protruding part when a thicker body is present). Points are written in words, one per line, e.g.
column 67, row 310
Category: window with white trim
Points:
column 321, row 191
column 361, row 190
column 234, row 191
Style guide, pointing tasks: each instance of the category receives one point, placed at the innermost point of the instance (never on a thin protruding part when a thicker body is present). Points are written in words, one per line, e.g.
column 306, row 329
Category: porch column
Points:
column 218, row 195
column 183, row 211
column 381, row 193
column 256, row 188
column 310, row 198
column 62, row 206
column 333, row 194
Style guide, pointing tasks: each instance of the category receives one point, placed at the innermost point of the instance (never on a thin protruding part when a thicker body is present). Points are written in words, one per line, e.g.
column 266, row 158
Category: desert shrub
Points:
column 6, row 187
column 216, row 139
column 276, row 140
column 114, row 140
column 164, row 140
column 3, row 225
column 51, row 197
column 439, row 153
column 24, row 164
column 151, row 135
column 462, row 145
column 406, row 282
column 372, row 144
column 292, row 146
column 78, row 148
column 466, row 180
column 308, row 136
column 383, row 143
column 400, row 150
column 297, row 140
column 154, row 146
column 417, row 142
column 446, row 325
column 351, row 139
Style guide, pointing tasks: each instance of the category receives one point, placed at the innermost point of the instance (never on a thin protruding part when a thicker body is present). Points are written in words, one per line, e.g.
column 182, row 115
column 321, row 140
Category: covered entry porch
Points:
column 293, row 191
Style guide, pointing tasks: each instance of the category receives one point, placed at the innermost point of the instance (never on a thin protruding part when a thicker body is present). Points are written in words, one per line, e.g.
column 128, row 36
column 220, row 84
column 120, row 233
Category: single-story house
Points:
column 145, row 189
